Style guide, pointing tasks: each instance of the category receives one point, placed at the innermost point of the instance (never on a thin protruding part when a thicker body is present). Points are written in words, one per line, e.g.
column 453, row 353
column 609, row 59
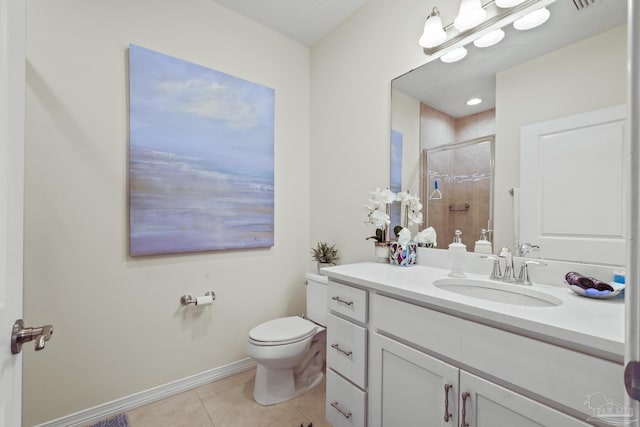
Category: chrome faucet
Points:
column 496, row 272
column 523, row 277
column 509, row 273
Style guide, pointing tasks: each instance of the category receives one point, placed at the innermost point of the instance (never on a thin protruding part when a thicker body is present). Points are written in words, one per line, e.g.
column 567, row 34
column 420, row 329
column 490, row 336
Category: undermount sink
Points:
column 506, row 293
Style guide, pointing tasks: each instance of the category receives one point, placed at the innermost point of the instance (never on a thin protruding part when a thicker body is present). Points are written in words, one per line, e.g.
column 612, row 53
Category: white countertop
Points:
column 592, row 326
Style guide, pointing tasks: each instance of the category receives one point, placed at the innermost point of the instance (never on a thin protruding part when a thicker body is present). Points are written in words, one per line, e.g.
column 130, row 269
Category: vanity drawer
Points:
column 348, row 301
column 346, row 403
column 346, row 349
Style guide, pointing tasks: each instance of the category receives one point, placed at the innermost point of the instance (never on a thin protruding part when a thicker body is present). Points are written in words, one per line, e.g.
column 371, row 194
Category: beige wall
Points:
column 119, row 326
column 585, row 76
column 351, row 73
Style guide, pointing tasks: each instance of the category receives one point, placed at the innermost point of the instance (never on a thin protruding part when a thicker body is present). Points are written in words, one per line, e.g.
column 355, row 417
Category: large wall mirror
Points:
column 573, row 64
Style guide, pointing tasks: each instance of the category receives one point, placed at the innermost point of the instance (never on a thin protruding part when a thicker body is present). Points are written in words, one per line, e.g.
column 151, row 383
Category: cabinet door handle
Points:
column 337, row 347
column 345, row 414
column 342, row 301
column 447, row 414
column 464, row 422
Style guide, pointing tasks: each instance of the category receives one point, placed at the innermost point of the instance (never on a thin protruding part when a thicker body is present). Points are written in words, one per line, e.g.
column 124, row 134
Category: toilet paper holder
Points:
column 187, row 299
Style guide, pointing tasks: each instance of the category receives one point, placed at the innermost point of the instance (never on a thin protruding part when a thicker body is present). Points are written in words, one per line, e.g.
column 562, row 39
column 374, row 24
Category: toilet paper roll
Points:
column 204, row 300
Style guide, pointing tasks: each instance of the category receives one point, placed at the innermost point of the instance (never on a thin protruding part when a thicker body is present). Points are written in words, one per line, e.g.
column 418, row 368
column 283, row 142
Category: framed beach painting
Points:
column 201, row 158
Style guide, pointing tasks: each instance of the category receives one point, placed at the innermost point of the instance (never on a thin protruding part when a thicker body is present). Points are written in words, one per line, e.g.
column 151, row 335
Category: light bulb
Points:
column 433, row 33
column 489, row 39
column 532, row 20
column 454, row 56
column 471, row 14
column 474, row 101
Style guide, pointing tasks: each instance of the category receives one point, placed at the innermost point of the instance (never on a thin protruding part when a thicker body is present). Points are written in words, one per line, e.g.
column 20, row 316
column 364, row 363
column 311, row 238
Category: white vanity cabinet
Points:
column 346, row 401
column 395, row 361
column 415, row 352
column 409, row 387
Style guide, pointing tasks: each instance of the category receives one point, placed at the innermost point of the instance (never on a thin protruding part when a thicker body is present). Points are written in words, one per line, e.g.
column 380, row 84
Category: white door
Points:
column 410, row 388
column 12, row 85
column 573, row 199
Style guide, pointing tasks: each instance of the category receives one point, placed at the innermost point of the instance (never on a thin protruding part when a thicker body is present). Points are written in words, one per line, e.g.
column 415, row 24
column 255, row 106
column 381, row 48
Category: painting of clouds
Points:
column 201, row 160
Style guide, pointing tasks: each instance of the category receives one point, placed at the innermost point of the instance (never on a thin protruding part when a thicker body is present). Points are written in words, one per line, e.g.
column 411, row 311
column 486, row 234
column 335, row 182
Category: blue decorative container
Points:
column 403, row 257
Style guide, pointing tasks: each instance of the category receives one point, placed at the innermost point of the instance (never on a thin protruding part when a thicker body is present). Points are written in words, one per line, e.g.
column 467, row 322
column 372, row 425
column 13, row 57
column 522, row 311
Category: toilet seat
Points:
column 286, row 330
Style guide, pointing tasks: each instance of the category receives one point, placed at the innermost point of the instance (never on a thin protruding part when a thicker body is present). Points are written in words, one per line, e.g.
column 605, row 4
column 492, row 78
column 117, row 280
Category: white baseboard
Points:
column 142, row 398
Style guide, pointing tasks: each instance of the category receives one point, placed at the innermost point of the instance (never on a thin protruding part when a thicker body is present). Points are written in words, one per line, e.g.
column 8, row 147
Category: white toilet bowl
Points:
column 289, row 353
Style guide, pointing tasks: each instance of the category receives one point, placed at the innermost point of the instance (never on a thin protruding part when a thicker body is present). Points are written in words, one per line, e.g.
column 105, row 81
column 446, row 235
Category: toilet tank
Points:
column 317, row 298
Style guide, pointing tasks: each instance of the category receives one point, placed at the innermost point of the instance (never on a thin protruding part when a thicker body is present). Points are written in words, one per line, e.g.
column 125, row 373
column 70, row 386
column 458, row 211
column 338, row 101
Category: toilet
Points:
column 290, row 351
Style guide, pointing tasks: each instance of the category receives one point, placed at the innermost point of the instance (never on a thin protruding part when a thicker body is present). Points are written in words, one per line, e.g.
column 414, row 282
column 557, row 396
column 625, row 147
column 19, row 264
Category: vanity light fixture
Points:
column 474, row 21
column 532, row 20
column 470, row 14
column 433, row 33
column 474, row 101
column 489, row 39
column 454, row 56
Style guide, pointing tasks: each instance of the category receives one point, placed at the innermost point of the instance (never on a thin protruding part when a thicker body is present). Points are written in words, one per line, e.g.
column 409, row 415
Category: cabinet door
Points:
column 486, row 404
column 407, row 387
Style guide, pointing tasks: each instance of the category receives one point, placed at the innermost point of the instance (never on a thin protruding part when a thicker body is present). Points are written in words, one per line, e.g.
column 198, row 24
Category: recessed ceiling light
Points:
column 532, row 20
column 474, row 101
column 489, row 39
column 454, row 55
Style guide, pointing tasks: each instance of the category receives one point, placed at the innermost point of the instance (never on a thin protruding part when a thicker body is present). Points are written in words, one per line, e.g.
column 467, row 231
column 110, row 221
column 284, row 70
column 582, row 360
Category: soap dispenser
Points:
column 457, row 256
column 483, row 246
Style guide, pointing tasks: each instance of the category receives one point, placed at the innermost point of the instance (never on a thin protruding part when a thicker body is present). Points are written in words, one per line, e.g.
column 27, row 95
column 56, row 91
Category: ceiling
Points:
column 305, row 21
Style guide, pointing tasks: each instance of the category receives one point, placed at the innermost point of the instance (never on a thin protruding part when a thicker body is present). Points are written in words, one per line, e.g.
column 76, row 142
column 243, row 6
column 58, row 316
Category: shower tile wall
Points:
column 447, row 215
column 451, row 212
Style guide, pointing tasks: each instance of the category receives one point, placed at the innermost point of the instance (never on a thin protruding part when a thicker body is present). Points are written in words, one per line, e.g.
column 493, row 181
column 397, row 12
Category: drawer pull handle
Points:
column 342, row 301
column 447, row 414
column 337, row 347
column 464, row 422
column 346, row 414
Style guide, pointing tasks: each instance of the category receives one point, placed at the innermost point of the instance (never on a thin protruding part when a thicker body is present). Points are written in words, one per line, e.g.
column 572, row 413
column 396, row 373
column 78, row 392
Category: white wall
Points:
column 119, row 327
column 351, row 73
column 584, row 76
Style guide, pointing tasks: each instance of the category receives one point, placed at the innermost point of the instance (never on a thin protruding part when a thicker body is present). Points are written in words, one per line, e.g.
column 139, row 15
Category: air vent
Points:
column 583, row 4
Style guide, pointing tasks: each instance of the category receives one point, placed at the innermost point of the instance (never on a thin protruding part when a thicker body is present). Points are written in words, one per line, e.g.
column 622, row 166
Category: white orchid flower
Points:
column 402, row 196
column 379, row 219
column 415, row 217
column 387, row 196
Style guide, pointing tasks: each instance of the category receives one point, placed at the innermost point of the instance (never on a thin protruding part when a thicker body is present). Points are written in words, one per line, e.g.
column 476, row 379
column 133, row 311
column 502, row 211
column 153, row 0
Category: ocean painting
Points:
column 201, row 163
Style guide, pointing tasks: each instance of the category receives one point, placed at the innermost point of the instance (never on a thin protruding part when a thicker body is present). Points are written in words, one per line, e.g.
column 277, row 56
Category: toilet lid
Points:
column 284, row 329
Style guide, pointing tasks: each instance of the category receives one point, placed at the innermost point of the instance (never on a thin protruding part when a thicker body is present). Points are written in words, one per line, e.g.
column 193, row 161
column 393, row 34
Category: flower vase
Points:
column 382, row 252
column 403, row 257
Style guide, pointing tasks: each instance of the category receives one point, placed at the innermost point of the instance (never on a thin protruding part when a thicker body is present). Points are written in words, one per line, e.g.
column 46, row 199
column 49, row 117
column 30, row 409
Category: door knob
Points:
column 21, row 335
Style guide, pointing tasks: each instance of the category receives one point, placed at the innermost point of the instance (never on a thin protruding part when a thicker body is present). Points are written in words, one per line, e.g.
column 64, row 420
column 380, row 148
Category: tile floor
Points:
column 229, row 403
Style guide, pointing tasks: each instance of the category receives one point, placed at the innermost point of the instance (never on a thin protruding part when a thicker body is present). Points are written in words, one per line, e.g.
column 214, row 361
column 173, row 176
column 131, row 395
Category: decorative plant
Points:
column 412, row 210
column 324, row 253
column 379, row 204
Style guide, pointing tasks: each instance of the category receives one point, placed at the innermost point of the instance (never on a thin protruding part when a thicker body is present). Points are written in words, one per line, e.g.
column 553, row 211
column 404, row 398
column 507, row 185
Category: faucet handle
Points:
column 505, row 252
column 523, row 277
column 496, row 272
